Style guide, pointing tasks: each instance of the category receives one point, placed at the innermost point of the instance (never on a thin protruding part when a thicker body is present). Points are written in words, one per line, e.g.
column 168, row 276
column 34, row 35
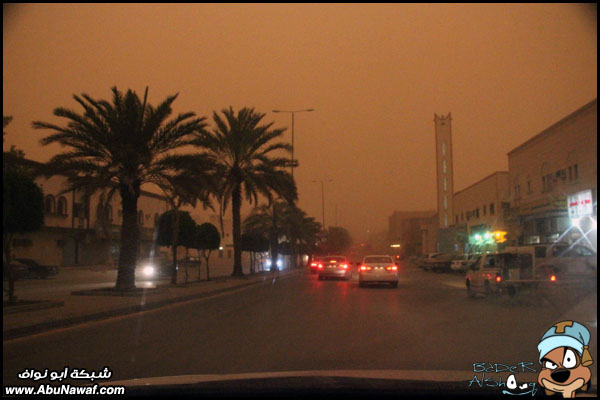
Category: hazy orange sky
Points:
column 375, row 75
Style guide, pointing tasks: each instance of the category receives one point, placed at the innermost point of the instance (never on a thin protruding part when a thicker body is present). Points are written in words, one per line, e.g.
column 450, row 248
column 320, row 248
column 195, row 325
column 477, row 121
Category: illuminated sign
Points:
column 580, row 204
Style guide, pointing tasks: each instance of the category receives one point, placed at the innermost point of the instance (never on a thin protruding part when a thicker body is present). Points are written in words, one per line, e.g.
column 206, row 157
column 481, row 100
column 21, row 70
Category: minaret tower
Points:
column 445, row 178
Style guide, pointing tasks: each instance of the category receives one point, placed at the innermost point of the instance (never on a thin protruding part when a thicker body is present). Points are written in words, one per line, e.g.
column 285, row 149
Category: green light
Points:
column 486, row 236
column 477, row 237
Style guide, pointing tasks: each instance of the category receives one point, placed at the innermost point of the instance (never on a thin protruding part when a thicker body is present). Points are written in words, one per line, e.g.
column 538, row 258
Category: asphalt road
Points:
column 301, row 323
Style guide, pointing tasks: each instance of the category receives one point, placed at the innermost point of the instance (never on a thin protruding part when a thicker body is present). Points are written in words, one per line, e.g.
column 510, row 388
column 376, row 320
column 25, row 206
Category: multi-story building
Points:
column 76, row 232
column 480, row 209
column 559, row 162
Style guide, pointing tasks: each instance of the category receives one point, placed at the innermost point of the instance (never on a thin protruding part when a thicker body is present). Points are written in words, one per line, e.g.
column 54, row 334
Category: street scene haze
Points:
column 303, row 199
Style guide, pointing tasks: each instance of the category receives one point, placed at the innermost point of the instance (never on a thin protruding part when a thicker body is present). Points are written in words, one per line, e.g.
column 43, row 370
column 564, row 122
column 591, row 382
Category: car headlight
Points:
column 268, row 263
column 149, row 270
column 279, row 263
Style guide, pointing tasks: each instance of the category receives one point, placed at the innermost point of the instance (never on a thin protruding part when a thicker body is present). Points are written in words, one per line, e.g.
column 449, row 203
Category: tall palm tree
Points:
column 246, row 154
column 119, row 145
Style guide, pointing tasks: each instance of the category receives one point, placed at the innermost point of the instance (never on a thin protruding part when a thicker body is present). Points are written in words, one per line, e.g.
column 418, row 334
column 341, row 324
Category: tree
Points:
column 195, row 183
column 208, row 239
column 242, row 150
column 254, row 242
column 167, row 234
column 119, row 146
column 22, row 212
column 269, row 219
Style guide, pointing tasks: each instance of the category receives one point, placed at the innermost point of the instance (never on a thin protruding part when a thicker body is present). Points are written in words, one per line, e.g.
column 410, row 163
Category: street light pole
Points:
column 323, row 199
column 293, row 112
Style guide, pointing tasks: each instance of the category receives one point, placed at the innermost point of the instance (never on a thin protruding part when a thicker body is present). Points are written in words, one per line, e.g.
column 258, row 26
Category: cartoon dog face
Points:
column 563, row 372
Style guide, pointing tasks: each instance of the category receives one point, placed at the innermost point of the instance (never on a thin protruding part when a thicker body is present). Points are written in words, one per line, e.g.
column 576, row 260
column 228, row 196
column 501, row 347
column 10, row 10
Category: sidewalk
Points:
column 83, row 308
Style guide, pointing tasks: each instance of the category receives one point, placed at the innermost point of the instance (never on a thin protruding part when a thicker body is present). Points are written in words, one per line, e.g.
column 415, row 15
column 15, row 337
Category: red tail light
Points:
column 345, row 266
column 320, row 266
column 313, row 264
column 498, row 278
column 365, row 268
column 392, row 268
column 553, row 278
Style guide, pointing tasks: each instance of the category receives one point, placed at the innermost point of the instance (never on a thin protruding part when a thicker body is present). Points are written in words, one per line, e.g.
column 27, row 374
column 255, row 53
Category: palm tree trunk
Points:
column 130, row 236
column 237, row 231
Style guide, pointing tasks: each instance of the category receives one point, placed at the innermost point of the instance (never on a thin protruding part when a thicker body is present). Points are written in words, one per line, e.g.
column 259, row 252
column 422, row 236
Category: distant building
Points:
column 415, row 231
column 559, row 162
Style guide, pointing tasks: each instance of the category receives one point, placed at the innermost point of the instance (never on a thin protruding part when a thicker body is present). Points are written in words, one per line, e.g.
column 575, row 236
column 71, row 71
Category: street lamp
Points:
column 323, row 198
column 293, row 112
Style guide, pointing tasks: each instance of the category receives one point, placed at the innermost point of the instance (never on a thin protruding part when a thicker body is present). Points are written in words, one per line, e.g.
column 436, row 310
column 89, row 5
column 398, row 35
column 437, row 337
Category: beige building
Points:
column 558, row 162
column 480, row 208
column 73, row 232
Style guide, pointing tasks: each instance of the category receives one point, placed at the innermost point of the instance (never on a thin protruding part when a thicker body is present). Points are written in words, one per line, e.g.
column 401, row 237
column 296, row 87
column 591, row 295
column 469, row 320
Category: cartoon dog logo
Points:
column 565, row 359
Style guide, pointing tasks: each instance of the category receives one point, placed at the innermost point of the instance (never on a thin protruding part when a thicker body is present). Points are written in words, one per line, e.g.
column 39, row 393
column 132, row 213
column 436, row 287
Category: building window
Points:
column 477, row 212
column 575, row 172
column 445, row 185
column 492, row 208
column 61, row 206
column 570, row 174
column 443, row 148
column 445, row 203
column 445, row 219
column 49, row 205
column 221, row 253
column 462, row 216
column 444, row 166
column 484, row 209
column 229, row 254
column 456, row 219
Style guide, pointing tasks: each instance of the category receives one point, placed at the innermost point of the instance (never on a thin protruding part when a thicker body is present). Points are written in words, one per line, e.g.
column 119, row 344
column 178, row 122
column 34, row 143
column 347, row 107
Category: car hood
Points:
column 410, row 375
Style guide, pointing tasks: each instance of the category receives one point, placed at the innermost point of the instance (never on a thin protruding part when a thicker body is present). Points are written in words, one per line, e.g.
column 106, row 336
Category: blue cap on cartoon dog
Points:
column 567, row 334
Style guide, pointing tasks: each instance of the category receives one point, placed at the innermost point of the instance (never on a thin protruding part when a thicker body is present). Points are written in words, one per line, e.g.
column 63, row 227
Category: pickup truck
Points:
column 507, row 272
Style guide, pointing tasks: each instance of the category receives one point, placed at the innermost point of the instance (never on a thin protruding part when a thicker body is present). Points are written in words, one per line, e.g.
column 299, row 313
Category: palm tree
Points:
column 270, row 219
column 119, row 145
column 242, row 149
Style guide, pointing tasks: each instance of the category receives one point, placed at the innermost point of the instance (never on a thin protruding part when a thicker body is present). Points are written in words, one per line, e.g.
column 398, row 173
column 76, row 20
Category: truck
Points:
column 509, row 271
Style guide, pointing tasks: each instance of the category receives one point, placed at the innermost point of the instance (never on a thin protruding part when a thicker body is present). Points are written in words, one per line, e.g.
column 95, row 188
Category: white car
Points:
column 378, row 269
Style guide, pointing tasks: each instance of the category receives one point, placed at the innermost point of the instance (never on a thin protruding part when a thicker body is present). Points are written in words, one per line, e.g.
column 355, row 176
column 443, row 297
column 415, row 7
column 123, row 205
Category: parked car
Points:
column 422, row 261
column 568, row 261
column 438, row 262
column 378, row 269
column 463, row 262
column 335, row 267
column 509, row 271
column 153, row 268
column 29, row 268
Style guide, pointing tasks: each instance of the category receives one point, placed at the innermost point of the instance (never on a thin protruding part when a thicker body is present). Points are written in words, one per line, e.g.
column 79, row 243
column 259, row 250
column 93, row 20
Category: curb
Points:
column 33, row 307
column 63, row 323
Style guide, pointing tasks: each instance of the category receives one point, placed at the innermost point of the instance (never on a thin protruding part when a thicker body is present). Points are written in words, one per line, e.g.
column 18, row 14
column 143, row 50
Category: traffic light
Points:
column 500, row 236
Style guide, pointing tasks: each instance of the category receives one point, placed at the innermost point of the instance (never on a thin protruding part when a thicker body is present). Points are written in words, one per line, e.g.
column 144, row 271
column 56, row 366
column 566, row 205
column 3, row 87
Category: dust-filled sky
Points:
column 375, row 75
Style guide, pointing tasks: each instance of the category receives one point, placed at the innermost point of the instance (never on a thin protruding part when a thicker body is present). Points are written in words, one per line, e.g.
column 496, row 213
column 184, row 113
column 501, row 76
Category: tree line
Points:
column 119, row 145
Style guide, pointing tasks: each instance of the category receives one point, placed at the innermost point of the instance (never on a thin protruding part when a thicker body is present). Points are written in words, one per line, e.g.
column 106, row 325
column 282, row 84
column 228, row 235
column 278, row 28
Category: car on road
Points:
column 314, row 264
column 153, row 268
column 378, row 269
column 335, row 267
column 29, row 268
column 568, row 261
